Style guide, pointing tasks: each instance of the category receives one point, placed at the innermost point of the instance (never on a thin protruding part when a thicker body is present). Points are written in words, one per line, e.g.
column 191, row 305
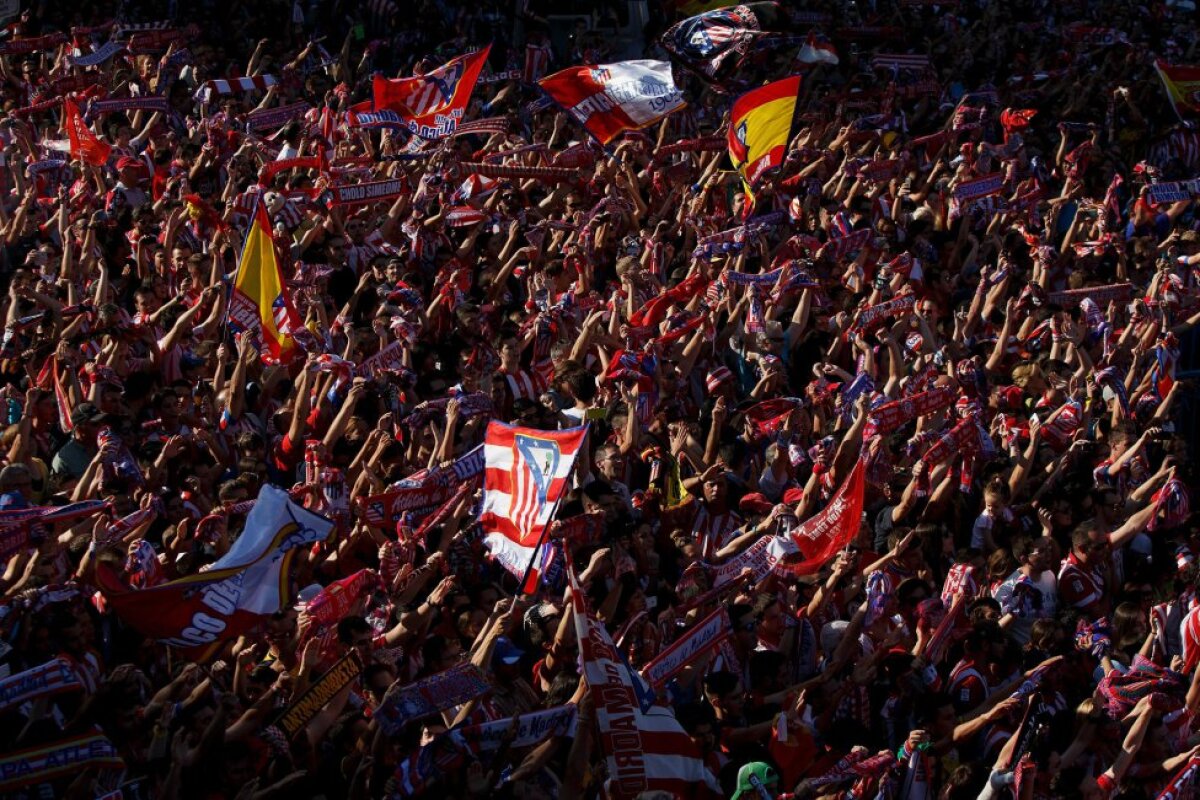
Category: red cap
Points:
column 1013, row 396
column 793, row 495
column 755, row 503
column 129, row 162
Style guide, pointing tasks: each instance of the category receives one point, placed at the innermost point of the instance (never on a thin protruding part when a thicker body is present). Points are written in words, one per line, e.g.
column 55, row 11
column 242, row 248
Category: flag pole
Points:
column 533, row 559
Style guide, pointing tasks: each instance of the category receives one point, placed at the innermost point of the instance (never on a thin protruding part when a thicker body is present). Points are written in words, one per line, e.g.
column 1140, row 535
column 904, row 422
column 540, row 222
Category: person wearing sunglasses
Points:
column 1083, row 580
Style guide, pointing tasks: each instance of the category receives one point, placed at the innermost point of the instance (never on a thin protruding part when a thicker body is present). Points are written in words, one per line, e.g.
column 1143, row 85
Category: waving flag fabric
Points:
column 817, row 50
column 1183, row 88
column 760, row 128
column 432, row 105
column 260, row 304
column 525, row 477
column 608, row 99
column 646, row 748
column 201, row 611
column 825, row 533
column 85, row 145
column 705, row 42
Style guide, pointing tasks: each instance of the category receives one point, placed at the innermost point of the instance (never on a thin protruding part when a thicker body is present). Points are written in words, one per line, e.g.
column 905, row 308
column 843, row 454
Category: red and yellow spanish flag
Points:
column 760, row 127
column 259, row 305
column 1183, row 87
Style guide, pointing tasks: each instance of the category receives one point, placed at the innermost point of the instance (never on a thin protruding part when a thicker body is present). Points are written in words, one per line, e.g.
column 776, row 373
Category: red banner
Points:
column 823, row 535
column 85, row 145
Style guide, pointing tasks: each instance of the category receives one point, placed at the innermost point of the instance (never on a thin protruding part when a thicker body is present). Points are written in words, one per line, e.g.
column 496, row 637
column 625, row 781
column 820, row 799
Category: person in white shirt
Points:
column 1031, row 592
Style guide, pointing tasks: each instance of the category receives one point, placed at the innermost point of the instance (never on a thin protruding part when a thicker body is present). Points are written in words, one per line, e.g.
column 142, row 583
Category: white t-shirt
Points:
column 1022, row 625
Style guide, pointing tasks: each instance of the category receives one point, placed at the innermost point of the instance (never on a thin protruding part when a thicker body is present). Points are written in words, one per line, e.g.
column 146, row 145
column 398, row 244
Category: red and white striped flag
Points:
column 537, row 62
column 647, row 750
column 61, row 401
column 526, row 475
column 609, row 99
column 432, row 105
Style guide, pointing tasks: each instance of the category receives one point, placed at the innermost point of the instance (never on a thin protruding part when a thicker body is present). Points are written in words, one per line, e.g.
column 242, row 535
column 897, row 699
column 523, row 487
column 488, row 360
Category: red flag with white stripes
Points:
column 61, row 401
column 537, row 62
column 432, row 105
column 646, row 748
column 527, row 473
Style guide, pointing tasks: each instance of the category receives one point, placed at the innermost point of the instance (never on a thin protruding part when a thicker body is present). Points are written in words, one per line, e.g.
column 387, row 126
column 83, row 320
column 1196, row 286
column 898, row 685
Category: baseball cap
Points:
column 717, row 377
column 755, row 503
column 793, row 496
column 753, row 775
column 128, row 162
column 84, row 413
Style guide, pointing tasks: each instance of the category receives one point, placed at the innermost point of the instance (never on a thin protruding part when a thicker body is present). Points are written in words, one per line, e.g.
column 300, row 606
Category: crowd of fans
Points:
column 1058, row 538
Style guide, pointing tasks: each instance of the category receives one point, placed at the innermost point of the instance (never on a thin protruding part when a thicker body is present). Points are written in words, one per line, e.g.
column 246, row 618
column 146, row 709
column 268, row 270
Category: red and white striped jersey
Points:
column 525, row 385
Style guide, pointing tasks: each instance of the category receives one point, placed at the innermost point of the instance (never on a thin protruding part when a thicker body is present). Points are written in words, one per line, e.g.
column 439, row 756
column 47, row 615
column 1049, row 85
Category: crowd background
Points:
column 1059, row 538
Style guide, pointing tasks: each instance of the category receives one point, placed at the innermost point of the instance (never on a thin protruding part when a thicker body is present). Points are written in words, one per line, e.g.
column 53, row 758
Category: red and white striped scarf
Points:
column 229, row 86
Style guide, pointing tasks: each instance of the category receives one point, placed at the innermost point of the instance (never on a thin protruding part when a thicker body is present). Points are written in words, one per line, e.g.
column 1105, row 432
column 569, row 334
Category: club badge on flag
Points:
column 260, row 303
column 432, row 105
column 609, row 99
column 199, row 612
column 1182, row 84
column 526, row 475
column 704, row 42
column 760, row 128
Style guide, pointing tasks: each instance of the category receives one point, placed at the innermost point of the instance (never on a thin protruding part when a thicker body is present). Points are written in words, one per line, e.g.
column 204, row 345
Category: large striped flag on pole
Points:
column 260, row 304
column 647, row 750
column 525, row 478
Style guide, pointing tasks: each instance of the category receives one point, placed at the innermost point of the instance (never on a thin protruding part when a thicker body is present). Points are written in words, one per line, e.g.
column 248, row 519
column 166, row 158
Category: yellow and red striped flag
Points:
column 260, row 305
column 760, row 128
